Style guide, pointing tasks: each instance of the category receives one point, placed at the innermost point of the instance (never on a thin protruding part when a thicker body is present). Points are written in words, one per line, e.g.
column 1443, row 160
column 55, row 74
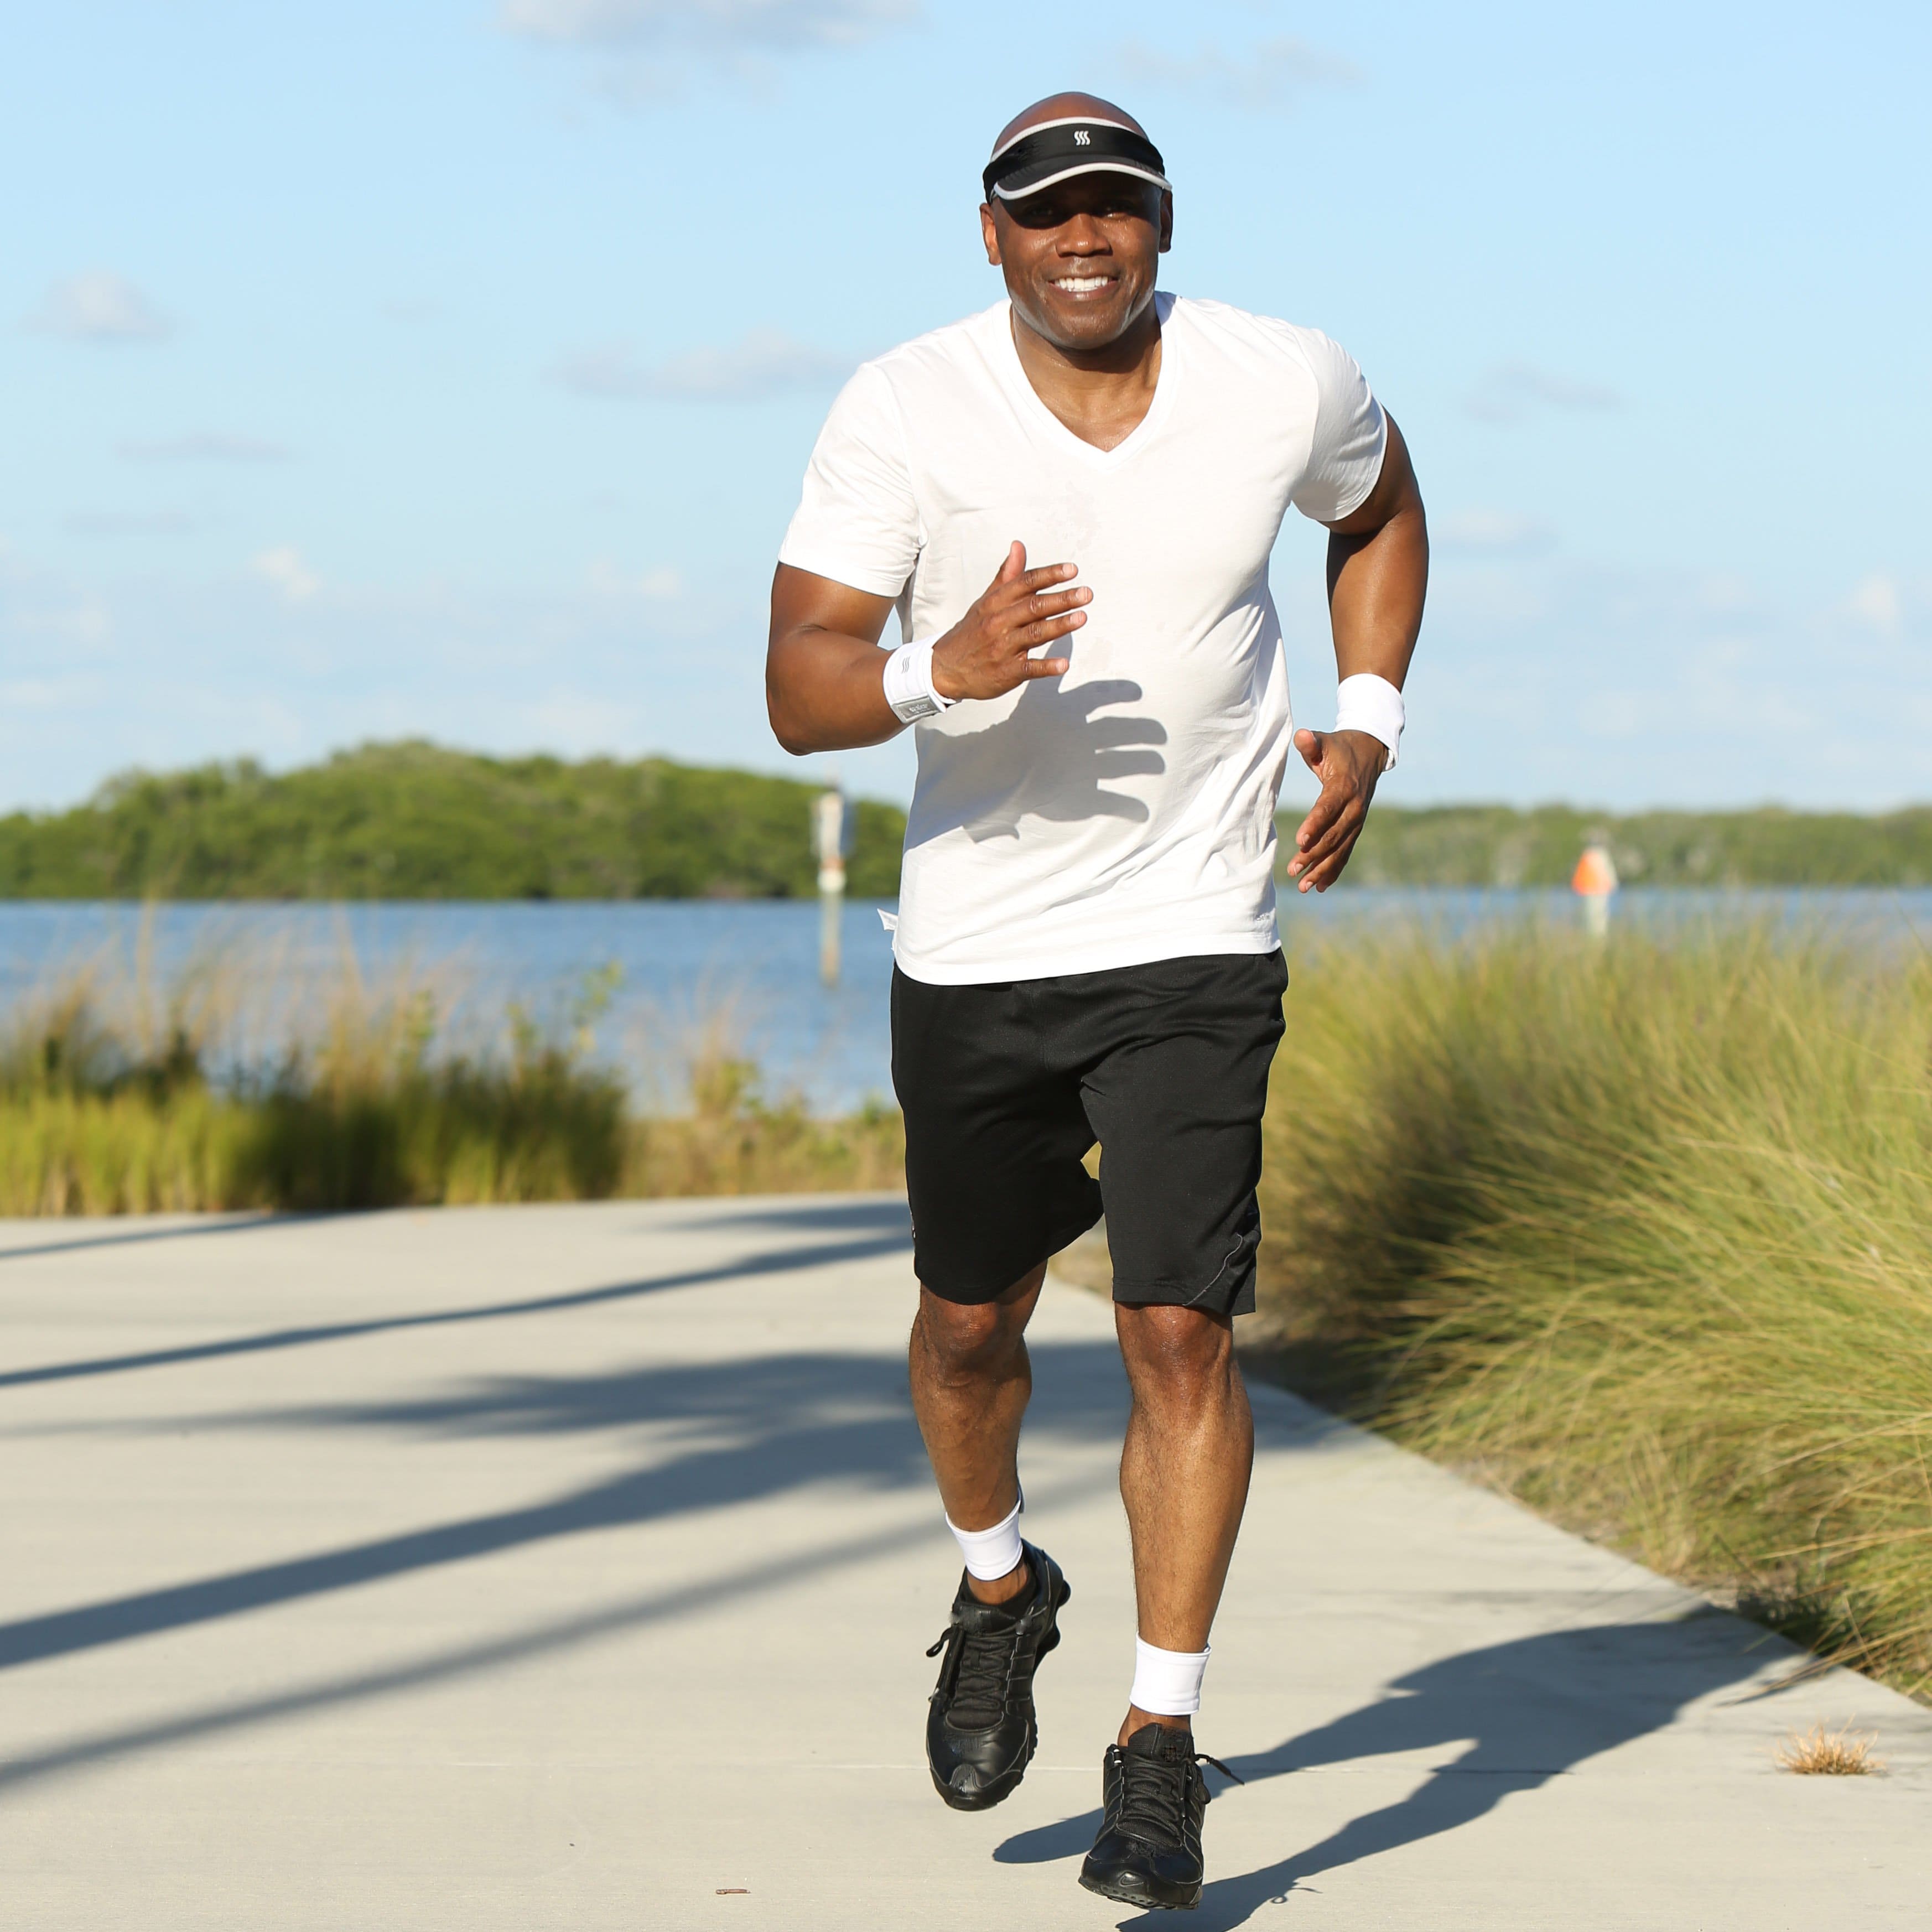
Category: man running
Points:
column 1070, row 499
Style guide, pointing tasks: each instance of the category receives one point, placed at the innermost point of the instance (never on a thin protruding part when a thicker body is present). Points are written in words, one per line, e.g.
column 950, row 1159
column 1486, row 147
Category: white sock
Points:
column 992, row 1553
column 1168, row 1682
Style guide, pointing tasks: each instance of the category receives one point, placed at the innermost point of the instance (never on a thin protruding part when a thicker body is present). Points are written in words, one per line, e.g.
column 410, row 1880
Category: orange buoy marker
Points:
column 1593, row 881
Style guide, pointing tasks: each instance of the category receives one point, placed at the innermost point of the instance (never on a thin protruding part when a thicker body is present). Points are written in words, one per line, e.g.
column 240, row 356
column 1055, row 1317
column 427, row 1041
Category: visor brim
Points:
column 1050, row 174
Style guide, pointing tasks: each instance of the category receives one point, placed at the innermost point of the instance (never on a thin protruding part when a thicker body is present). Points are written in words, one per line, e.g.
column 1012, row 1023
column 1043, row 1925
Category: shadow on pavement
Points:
column 757, row 1429
column 782, row 1261
column 1528, row 1711
column 500, row 1653
column 240, row 1224
column 838, row 1213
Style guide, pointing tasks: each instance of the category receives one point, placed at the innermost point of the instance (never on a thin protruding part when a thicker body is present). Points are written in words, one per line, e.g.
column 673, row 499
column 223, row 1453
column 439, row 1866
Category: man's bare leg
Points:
column 1184, row 1469
column 971, row 1380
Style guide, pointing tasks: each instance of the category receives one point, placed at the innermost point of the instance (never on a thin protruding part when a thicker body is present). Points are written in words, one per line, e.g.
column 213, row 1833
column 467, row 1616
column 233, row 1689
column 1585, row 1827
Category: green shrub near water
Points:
column 107, row 1109
column 1641, row 1232
column 1497, row 845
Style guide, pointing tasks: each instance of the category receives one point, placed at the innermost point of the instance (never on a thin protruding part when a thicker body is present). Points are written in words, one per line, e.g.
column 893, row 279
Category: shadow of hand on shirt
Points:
column 1051, row 756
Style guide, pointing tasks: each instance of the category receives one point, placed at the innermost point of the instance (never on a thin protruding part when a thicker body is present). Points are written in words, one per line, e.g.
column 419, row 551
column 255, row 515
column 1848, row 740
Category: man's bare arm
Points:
column 824, row 671
column 1378, row 577
column 825, row 674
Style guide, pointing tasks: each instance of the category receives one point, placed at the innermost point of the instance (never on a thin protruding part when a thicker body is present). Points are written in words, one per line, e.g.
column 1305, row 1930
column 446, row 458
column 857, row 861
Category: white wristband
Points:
column 1367, row 702
column 909, row 685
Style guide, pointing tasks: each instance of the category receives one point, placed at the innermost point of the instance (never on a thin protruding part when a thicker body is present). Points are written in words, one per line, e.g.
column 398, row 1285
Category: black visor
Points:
column 1051, row 153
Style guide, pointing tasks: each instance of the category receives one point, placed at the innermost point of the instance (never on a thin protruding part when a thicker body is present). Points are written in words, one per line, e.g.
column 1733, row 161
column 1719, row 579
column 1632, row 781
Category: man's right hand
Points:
column 986, row 654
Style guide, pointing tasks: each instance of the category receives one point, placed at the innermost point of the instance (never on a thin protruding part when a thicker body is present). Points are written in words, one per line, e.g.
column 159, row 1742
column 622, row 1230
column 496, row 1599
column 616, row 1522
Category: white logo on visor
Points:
column 1081, row 138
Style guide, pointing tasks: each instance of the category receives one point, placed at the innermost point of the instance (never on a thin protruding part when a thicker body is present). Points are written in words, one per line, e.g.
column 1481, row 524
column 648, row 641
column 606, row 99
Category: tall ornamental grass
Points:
column 1641, row 1231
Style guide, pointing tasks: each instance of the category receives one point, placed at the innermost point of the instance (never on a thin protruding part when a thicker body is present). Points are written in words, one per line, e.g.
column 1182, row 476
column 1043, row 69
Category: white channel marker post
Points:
column 828, row 819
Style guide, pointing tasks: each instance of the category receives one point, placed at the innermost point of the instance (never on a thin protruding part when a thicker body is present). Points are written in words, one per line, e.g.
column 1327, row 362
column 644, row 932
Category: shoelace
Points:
column 1153, row 1794
column 978, row 1663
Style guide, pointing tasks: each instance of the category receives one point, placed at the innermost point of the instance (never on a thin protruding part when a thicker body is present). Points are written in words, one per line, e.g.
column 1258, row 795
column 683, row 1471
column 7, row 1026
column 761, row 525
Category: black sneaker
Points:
column 979, row 1729
column 1148, row 1852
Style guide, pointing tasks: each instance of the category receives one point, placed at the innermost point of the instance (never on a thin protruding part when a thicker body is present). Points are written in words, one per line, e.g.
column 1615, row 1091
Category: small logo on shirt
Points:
column 1081, row 138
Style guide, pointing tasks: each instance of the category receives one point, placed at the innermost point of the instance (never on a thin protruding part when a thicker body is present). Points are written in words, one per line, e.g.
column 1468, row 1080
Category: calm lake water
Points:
column 749, row 968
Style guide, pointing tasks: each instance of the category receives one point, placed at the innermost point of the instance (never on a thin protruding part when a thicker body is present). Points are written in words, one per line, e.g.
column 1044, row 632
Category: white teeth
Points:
column 1082, row 285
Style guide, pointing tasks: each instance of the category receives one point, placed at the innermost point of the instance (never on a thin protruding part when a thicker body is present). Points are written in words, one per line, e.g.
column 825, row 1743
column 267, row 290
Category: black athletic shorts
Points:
column 1006, row 1087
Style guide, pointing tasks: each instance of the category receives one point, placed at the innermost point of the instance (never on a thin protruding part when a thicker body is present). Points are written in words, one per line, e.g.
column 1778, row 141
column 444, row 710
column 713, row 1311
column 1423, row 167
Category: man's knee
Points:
column 968, row 1340
column 1168, row 1348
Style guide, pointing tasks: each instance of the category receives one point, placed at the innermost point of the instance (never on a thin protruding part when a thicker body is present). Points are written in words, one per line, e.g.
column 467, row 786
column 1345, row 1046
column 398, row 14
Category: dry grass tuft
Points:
column 732, row 1139
column 1818, row 1753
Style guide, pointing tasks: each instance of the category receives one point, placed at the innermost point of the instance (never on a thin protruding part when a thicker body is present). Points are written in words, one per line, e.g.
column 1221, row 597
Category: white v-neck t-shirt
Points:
column 1124, row 811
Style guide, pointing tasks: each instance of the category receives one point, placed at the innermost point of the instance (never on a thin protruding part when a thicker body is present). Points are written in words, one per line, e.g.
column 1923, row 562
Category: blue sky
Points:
column 448, row 369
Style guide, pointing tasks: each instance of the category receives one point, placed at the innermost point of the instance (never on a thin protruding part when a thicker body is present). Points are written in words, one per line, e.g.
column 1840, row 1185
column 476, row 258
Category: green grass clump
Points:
column 107, row 1106
column 118, row 1154
column 1640, row 1231
column 734, row 1141
column 102, row 1111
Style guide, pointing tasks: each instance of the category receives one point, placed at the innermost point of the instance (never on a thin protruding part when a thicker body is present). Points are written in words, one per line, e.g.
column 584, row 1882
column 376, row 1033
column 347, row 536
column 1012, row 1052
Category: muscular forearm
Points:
column 826, row 691
column 1378, row 576
column 825, row 684
column 1376, row 585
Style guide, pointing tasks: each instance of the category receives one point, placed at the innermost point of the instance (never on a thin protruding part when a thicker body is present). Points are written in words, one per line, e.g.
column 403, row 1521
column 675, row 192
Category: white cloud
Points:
column 99, row 307
column 183, row 675
column 129, row 522
column 1514, row 391
column 584, row 724
column 764, row 362
column 1878, row 601
column 643, row 51
column 1269, row 74
column 1496, row 533
column 1627, row 685
column 717, row 25
column 1727, row 593
column 282, row 567
column 49, row 693
column 1491, row 597
column 206, row 446
column 661, row 585
column 78, row 621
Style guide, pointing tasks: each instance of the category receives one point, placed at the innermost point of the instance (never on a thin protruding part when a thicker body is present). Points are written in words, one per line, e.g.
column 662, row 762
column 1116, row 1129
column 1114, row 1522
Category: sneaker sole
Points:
column 987, row 1796
column 1129, row 1890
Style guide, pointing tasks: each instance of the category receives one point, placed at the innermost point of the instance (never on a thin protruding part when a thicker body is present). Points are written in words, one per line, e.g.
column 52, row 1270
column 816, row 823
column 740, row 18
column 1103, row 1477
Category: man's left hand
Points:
column 1348, row 763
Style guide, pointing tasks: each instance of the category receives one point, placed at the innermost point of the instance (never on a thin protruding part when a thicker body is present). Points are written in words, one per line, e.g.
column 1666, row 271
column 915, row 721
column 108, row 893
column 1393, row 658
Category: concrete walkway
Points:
column 572, row 1568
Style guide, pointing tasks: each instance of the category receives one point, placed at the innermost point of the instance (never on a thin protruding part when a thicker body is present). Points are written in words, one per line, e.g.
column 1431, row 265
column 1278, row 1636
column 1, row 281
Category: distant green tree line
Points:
column 412, row 820
column 1495, row 845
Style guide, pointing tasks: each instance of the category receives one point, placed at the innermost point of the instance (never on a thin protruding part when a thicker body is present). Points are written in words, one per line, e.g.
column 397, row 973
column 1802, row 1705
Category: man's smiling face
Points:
column 1080, row 257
